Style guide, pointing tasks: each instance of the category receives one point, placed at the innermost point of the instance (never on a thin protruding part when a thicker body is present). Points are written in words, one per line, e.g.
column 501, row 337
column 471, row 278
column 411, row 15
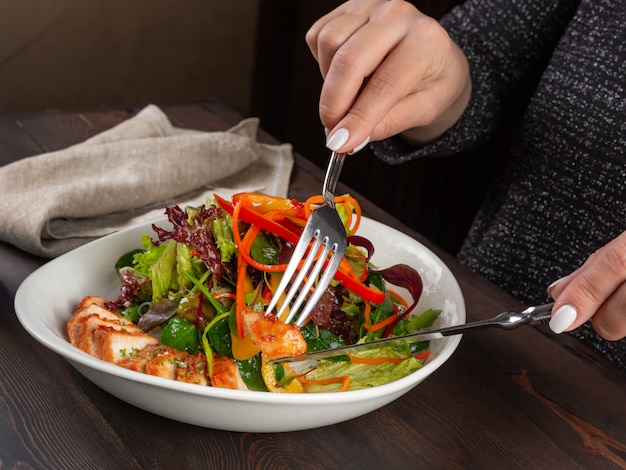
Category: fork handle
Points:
column 332, row 176
column 507, row 320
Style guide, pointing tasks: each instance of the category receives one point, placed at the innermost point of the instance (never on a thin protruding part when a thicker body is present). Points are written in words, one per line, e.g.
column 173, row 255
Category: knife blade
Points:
column 507, row 320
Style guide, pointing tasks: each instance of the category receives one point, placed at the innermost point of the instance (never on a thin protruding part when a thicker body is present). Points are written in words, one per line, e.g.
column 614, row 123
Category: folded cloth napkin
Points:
column 57, row 201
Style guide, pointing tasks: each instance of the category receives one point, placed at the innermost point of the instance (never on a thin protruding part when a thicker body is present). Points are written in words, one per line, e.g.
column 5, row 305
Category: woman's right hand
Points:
column 387, row 69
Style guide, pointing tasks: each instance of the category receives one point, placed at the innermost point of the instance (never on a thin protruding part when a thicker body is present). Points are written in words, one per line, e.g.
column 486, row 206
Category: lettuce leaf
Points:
column 223, row 236
column 365, row 375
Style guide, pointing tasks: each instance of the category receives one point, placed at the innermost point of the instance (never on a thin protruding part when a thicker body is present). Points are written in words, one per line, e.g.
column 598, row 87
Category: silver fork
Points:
column 507, row 320
column 325, row 229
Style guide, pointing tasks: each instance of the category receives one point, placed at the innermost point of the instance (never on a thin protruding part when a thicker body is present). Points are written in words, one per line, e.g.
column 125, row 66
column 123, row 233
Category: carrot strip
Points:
column 382, row 323
column 346, row 384
column 344, row 378
column 310, row 203
column 357, row 212
column 244, row 251
column 376, row 360
column 382, row 360
column 422, row 356
column 235, row 225
column 352, row 283
column 242, row 267
column 398, row 297
column 366, row 314
column 346, row 267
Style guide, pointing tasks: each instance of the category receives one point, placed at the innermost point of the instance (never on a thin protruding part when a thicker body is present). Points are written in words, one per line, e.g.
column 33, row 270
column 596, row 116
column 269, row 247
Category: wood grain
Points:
column 520, row 399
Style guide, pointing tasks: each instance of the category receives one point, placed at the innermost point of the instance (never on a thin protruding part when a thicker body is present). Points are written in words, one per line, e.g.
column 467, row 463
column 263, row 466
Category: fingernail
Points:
column 336, row 141
column 562, row 319
column 360, row 146
column 556, row 283
column 326, row 131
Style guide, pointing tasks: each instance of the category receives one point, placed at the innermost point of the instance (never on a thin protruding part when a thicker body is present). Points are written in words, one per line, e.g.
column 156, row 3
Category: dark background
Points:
column 249, row 54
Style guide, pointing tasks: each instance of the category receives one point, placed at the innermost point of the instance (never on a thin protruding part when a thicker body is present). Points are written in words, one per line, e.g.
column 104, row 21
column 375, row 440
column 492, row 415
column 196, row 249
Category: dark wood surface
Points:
column 519, row 399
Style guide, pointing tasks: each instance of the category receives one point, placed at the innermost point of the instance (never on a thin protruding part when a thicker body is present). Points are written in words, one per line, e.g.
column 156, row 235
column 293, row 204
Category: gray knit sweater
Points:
column 563, row 192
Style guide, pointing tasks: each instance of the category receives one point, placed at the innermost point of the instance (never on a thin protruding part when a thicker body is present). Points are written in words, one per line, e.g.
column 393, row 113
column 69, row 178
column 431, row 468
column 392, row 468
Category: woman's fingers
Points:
column 330, row 33
column 387, row 68
column 355, row 72
column 610, row 319
column 597, row 289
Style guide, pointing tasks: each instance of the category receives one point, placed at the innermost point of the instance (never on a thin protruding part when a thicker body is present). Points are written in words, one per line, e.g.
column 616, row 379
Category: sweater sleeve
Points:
column 507, row 43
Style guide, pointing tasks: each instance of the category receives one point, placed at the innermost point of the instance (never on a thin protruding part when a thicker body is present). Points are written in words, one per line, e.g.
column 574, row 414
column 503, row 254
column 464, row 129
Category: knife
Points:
column 506, row 320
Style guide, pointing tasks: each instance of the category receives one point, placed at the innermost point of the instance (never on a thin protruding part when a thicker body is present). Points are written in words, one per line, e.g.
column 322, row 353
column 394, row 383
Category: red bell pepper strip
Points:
column 249, row 215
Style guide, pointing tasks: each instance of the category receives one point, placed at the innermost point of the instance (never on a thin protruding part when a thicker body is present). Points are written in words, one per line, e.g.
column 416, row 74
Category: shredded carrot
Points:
column 422, row 355
column 346, row 267
column 242, row 266
column 382, row 360
column 310, row 204
column 246, row 247
column 284, row 217
column 353, row 209
column 302, row 379
column 243, row 249
column 349, row 280
column 376, row 360
column 344, row 378
column 366, row 314
column 353, row 204
column 382, row 323
column 235, row 225
column 399, row 298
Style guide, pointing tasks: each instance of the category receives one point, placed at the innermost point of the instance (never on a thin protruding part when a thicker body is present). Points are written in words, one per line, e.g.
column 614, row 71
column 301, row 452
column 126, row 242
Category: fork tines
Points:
column 322, row 253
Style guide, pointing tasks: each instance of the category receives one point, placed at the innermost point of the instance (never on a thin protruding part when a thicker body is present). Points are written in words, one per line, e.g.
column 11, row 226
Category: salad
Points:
column 193, row 285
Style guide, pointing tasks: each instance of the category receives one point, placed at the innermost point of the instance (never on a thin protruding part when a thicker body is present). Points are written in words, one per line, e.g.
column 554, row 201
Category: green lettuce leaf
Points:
column 223, row 236
column 163, row 272
column 365, row 375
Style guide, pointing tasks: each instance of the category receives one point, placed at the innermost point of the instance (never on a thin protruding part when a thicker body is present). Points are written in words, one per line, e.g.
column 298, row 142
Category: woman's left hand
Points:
column 596, row 290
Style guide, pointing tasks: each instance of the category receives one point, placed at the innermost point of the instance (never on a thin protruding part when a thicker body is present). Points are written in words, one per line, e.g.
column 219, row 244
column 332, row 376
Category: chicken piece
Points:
column 193, row 370
column 76, row 324
column 91, row 300
column 113, row 338
column 92, row 322
column 166, row 363
column 275, row 338
column 138, row 360
column 112, row 345
column 226, row 374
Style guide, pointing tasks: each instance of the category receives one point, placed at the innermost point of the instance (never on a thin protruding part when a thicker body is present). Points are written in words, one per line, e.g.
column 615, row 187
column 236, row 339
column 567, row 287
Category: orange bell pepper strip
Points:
column 251, row 216
column 376, row 360
column 247, row 213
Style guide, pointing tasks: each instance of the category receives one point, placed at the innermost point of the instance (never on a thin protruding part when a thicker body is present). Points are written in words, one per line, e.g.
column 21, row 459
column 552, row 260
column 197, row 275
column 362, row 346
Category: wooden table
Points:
column 521, row 399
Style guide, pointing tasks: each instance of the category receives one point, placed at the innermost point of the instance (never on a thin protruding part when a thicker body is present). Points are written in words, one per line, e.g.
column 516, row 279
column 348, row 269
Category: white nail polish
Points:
column 563, row 318
column 360, row 146
column 336, row 140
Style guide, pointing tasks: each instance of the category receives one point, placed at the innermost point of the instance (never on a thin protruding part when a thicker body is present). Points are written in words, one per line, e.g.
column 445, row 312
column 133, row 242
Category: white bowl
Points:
column 48, row 297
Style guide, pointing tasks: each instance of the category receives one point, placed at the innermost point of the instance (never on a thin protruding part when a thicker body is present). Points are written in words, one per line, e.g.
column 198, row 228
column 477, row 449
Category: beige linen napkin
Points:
column 57, row 201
